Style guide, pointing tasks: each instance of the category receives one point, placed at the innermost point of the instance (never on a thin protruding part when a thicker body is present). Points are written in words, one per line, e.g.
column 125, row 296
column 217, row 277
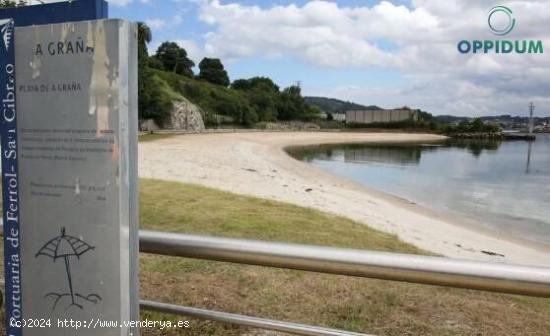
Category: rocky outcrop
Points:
column 148, row 125
column 186, row 116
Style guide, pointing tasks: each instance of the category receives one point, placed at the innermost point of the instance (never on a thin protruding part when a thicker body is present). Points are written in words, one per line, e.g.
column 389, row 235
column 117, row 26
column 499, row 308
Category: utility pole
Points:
column 531, row 121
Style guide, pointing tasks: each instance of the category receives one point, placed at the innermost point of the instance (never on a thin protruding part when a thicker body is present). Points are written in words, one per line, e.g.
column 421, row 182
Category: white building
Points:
column 379, row 116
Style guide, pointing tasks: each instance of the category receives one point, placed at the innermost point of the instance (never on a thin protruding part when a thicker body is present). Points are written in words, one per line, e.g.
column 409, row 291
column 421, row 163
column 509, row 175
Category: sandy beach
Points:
column 256, row 164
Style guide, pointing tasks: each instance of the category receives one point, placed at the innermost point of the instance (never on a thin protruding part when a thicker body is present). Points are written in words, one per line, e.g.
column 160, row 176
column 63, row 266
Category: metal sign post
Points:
column 69, row 168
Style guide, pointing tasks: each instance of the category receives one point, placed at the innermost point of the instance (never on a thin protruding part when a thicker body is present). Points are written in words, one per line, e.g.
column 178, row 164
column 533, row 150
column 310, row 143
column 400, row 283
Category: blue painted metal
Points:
column 57, row 12
column 10, row 180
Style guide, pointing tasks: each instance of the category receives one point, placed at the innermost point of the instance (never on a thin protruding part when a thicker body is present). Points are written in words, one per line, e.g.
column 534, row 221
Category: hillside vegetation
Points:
column 169, row 75
column 332, row 105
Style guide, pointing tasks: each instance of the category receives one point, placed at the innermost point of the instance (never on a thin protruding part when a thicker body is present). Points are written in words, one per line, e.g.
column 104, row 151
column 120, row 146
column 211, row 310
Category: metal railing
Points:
column 494, row 277
column 254, row 322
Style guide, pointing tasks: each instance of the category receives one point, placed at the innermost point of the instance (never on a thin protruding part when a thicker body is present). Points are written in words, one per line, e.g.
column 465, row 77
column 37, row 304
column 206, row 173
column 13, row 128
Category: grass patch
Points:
column 362, row 305
column 153, row 136
column 199, row 210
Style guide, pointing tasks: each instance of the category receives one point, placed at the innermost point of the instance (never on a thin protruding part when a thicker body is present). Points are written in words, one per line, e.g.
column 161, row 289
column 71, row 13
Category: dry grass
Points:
column 153, row 136
column 379, row 307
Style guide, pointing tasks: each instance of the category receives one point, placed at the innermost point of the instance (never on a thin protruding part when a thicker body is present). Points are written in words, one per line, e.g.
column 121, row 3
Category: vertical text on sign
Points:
column 10, row 180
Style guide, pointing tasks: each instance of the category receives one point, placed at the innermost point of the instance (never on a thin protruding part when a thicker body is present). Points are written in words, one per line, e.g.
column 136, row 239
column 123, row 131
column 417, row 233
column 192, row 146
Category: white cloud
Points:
column 420, row 42
column 194, row 52
column 177, row 19
column 120, row 2
column 320, row 32
column 114, row 2
column 156, row 23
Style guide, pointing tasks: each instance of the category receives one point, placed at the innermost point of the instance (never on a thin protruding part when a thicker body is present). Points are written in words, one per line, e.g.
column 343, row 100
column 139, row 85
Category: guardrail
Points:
column 503, row 278
column 495, row 277
column 287, row 327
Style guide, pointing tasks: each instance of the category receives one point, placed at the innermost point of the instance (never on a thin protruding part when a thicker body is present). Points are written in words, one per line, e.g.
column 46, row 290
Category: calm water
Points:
column 501, row 185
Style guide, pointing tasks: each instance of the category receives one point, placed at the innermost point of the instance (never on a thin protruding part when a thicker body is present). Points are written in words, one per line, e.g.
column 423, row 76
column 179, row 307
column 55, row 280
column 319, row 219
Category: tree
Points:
column 174, row 58
column 241, row 84
column 291, row 103
column 157, row 104
column 212, row 70
column 477, row 125
column 264, row 103
column 263, row 95
column 155, row 63
column 144, row 37
column 255, row 82
column 144, row 74
column 153, row 103
column 265, row 82
column 292, row 106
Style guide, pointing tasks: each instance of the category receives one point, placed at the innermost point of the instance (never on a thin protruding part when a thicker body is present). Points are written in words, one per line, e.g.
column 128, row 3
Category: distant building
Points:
column 380, row 116
column 338, row 116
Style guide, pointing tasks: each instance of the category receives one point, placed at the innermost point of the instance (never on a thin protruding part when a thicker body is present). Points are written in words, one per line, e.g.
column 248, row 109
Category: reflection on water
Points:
column 383, row 153
column 501, row 185
column 475, row 147
column 528, row 165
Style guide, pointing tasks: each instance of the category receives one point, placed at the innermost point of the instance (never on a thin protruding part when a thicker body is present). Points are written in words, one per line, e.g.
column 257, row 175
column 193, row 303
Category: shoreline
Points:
column 257, row 164
column 454, row 218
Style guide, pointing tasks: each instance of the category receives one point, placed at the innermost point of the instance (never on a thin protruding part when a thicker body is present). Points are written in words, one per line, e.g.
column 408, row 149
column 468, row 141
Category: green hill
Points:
column 332, row 105
column 220, row 104
column 245, row 102
column 170, row 75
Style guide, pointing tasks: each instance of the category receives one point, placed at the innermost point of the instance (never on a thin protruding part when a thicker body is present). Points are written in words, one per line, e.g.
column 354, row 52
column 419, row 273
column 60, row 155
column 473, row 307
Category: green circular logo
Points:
column 500, row 13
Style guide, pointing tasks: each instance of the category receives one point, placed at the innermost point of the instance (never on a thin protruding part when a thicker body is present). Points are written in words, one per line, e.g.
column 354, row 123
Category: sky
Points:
column 386, row 53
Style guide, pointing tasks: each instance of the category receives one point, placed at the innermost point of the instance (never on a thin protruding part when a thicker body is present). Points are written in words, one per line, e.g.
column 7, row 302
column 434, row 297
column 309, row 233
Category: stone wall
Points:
column 287, row 125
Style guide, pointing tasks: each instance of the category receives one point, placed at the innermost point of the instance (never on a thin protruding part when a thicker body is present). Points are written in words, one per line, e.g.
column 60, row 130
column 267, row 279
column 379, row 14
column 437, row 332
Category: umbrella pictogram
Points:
column 66, row 247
